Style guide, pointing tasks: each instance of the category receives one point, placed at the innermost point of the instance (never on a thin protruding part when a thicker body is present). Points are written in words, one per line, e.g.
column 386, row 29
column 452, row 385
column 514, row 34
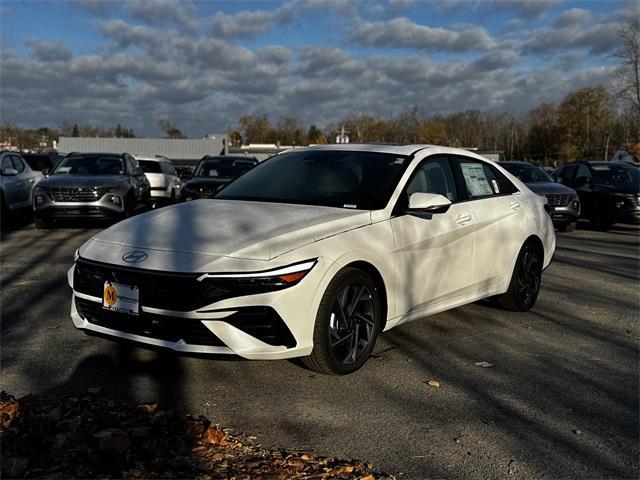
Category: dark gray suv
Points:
column 564, row 204
column 91, row 185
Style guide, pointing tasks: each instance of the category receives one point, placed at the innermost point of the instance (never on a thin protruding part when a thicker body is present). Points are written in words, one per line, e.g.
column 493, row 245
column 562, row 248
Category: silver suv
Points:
column 16, row 181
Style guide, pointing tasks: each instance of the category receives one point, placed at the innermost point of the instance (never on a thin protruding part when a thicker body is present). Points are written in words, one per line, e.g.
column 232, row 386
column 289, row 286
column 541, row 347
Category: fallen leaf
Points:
column 484, row 364
column 434, row 383
column 148, row 408
column 213, row 436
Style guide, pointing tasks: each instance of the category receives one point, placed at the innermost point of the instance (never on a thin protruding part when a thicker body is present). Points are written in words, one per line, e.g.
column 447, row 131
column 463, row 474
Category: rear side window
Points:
column 149, row 166
column 167, row 168
column 18, row 164
column 483, row 180
column 479, row 179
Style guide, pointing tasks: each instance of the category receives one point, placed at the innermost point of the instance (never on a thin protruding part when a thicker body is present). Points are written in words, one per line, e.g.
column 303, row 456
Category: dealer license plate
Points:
column 121, row 298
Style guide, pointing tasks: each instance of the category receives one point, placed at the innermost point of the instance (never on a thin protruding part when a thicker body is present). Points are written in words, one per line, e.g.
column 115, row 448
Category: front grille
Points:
column 559, row 199
column 75, row 194
column 160, row 327
column 167, row 290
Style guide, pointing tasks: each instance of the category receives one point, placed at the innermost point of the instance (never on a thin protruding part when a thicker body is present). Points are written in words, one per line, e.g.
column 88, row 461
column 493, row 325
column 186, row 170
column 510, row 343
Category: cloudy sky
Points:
column 202, row 64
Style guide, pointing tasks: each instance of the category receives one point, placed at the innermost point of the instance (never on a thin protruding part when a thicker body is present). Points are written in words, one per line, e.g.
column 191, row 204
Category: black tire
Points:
column 347, row 324
column 42, row 224
column 567, row 228
column 525, row 281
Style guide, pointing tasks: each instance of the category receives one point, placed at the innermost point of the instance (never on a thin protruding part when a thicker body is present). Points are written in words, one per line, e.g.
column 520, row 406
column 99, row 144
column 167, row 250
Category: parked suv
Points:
column 164, row 180
column 564, row 204
column 609, row 191
column 91, row 185
column 17, row 180
column 214, row 172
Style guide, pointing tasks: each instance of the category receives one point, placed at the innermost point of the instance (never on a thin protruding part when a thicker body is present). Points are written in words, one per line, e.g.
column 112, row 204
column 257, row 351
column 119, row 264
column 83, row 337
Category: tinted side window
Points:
column 583, row 171
column 566, row 174
column 432, row 176
column 506, row 187
column 18, row 164
column 479, row 178
column 6, row 162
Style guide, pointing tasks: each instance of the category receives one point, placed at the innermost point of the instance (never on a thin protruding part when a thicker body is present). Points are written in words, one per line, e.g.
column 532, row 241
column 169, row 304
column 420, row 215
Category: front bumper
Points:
column 69, row 210
column 270, row 325
column 100, row 209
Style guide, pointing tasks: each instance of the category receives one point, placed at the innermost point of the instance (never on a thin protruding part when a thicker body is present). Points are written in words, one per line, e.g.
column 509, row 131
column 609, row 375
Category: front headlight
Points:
column 274, row 279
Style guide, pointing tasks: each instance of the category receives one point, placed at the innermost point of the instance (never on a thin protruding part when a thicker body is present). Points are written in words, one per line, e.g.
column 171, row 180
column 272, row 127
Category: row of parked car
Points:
column 114, row 186
column 602, row 192
column 107, row 185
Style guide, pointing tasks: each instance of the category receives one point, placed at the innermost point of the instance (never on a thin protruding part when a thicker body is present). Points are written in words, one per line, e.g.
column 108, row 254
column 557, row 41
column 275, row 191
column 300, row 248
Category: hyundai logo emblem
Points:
column 135, row 256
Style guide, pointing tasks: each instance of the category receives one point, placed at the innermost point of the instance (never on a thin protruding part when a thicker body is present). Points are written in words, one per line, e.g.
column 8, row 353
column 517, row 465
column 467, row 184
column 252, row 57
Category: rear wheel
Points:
column 525, row 280
column 347, row 324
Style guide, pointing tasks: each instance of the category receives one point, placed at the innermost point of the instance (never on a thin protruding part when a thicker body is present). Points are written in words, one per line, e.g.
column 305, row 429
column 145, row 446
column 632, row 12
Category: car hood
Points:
column 204, row 182
column 70, row 181
column 543, row 188
column 231, row 228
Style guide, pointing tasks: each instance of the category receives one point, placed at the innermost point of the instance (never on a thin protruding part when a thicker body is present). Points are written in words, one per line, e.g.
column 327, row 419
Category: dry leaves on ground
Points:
column 96, row 437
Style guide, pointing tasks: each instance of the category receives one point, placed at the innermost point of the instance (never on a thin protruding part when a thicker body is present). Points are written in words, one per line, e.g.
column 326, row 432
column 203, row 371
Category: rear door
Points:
column 24, row 179
column 500, row 220
column 433, row 252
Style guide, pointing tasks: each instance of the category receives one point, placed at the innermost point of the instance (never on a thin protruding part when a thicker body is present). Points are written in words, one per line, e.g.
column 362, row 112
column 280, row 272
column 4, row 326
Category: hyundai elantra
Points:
column 315, row 252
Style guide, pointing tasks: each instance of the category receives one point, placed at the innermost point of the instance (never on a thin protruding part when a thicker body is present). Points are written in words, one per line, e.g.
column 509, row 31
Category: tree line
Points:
column 585, row 125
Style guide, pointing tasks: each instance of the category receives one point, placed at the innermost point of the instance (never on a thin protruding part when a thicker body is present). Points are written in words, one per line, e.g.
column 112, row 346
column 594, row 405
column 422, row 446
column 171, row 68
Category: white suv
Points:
column 165, row 182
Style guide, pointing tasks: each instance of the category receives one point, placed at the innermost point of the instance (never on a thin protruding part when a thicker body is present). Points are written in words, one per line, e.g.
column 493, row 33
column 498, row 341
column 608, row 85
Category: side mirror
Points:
column 428, row 203
column 583, row 182
column 8, row 172
column 186, row 176
column 138, row 171
column 46, row 171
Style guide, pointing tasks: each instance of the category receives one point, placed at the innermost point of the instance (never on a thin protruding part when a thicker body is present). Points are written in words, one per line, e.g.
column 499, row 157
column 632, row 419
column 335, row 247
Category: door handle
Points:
column 31, row 180
column 463, row 219
column 514, row 206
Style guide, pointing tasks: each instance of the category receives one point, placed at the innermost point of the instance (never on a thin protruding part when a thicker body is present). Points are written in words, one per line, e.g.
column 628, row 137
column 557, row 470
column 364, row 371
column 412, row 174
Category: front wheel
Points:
column 525, row 280
column 347, row 324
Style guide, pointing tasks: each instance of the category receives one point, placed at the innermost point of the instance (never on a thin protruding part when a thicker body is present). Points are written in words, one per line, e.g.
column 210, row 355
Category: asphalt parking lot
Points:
column 561, row 400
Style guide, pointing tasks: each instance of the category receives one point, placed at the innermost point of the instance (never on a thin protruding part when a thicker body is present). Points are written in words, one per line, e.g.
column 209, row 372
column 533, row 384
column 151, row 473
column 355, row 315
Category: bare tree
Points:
column 628, row 52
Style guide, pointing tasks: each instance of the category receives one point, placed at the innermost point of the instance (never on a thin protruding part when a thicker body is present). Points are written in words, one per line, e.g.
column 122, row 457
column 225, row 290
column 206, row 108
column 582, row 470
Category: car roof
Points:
column 397, row 149
column 152, row 159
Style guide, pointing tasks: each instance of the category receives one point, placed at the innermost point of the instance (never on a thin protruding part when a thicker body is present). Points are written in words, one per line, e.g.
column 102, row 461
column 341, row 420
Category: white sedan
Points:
column 314, row 253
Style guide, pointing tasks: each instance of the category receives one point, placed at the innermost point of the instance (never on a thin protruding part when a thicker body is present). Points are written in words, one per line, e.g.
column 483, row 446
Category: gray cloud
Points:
column 526, row 9
column 251, row 23
column 48, row 52
column 403, row 33
column 571, row 30
column 181, row 13
column 203, row 84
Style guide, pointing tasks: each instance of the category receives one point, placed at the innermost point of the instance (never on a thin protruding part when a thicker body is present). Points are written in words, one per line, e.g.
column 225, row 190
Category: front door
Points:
column 433, row 252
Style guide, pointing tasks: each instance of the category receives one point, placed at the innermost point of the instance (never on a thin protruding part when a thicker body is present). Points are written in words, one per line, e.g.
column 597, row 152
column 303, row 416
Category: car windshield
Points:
column 227, row 168
column 617, row 175
column 90, row 165
column 346, row 179
column 527, row 173
column 149, row 166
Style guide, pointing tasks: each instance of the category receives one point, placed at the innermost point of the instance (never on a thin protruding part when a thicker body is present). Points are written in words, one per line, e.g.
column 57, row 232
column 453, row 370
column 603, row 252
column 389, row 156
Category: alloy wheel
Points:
column 530, row 274
column 352, row 325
